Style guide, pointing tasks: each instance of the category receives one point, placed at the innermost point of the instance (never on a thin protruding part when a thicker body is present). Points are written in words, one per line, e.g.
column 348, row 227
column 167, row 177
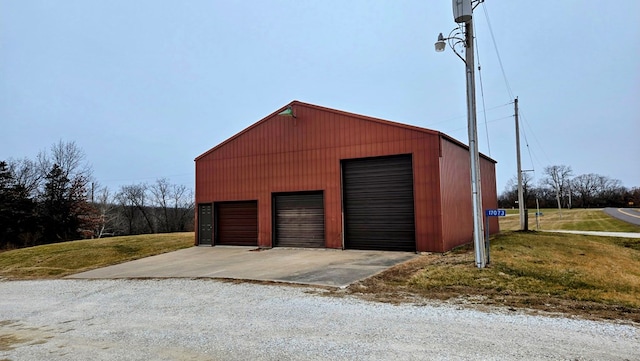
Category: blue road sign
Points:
column 495, row 212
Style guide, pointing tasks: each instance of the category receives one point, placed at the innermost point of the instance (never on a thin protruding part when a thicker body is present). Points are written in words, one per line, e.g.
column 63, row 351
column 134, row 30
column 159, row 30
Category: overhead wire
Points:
column 489, row 121
column 495, row 46
column 510, row 92
column 486, row 127
column 464, row 116
column 537, row 141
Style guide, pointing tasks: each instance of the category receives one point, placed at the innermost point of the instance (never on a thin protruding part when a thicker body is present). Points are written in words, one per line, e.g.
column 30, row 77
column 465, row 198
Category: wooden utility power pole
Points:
column 521, row 205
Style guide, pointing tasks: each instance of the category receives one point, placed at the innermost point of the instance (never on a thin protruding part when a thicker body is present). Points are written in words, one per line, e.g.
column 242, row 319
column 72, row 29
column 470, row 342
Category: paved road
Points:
column 598, row 233
column 631, row 215
column 186, row 319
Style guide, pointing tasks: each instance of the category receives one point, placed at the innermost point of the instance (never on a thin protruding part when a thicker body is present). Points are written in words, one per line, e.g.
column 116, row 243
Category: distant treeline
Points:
column 559, row 188
column 54, row 198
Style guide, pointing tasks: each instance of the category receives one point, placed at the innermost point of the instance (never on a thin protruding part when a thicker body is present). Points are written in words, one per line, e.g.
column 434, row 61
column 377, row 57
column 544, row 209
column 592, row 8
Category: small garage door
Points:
column 378, row 203
column 236, row 223
column 299, row 220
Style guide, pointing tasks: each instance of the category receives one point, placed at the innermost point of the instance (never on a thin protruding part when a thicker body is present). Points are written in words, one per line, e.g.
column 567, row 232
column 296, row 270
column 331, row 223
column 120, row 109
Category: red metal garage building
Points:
column 328, row 178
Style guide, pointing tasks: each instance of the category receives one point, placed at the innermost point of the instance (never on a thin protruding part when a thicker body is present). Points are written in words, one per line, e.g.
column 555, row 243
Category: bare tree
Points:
column 586, row 187
column 159, row 207
column 133, row 199
column 70, row 158
column 127, row 210
column 27, row 175
column 609, row 191
column 558, row 179
column 510, row 195
column 633, row 197
column 174, row 205
column 161, row 197
column 183, row 203
column 104, row 202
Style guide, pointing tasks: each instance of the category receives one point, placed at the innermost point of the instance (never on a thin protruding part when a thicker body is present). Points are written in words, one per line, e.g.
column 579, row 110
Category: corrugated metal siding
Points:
column 299, row 220
column 455, row 190
column 284, row 154
column 455, row 184
column 378, row 203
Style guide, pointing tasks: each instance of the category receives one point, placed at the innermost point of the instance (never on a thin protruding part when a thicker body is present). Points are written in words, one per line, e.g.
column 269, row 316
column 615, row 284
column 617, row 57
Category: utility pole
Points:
column 463, row 13
column 537, row 215
column 521, row 205
column 476, row 192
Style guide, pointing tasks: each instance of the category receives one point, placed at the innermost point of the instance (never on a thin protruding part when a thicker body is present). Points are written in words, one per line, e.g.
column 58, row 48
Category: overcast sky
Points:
column 143, row 87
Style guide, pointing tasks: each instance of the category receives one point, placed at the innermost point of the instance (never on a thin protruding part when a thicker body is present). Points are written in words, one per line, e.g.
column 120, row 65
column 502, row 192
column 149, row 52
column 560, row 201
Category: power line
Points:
column 526, row 141
column 489, row 121
column 464, row 116
column 502, row 118
column 495, row 45
column 508, row 86
column 486, row 127
column 536, row 139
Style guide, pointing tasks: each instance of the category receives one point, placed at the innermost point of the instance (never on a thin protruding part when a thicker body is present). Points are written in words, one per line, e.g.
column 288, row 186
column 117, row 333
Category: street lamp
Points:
column 440, row 44
column 463, row 36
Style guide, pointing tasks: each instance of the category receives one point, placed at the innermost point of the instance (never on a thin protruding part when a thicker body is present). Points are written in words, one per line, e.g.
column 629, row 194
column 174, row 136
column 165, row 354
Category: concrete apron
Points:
column 323, row 267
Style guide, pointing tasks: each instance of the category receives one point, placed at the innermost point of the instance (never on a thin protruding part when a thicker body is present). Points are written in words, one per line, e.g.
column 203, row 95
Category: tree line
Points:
column 55, row 198
column 559, row 188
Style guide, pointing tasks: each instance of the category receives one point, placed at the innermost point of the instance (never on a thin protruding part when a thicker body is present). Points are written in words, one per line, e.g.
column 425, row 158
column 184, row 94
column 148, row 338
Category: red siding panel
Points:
column 455, row 190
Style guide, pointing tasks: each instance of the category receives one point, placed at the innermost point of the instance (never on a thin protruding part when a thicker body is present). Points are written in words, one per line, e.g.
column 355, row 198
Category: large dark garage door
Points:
column 378, row 203
column 236, row 223
column 299, row 220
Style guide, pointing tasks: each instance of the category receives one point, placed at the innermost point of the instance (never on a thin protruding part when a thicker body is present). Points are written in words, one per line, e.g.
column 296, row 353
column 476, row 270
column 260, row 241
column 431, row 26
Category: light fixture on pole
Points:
column 463, row 36
column 440, row 44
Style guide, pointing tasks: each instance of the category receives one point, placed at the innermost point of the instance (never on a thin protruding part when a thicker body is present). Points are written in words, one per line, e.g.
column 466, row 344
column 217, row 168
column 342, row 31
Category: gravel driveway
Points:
column 185, row 319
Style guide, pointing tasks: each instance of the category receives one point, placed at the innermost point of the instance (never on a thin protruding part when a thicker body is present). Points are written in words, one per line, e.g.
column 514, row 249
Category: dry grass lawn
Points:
column 62, row 259
column 569, row 219
column 592, row 277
